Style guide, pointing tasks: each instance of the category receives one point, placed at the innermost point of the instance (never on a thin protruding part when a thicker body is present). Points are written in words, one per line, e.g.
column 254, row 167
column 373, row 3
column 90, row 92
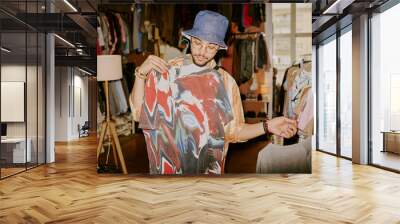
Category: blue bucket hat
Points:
column 209, row 26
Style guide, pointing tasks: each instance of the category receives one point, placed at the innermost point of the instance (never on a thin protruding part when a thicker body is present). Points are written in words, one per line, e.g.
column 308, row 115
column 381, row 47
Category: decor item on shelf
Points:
column 109, row 67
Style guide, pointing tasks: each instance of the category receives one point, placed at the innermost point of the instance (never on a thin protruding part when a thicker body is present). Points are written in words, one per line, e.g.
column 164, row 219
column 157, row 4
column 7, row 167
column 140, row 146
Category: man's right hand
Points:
column 282, row 126
column 153, row 62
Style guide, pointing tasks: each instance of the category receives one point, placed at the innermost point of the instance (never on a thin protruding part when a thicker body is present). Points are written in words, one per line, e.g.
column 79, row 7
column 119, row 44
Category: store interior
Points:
column 52, row 105
column 77, row 97
column 287, row 49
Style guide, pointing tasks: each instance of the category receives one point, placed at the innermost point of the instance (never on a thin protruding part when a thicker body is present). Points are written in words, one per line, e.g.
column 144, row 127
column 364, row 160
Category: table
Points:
column 391, row 141
column 13, row 150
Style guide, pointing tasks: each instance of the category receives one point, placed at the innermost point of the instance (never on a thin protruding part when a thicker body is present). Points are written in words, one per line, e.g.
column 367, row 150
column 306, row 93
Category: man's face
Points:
column 202, row 51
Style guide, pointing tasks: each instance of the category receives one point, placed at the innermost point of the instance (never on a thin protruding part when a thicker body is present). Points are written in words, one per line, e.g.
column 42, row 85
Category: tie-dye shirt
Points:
column 188, row 126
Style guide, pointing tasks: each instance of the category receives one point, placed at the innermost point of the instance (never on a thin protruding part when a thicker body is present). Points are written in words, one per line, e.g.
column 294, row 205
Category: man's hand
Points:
column 282, row 126
column 153, row 62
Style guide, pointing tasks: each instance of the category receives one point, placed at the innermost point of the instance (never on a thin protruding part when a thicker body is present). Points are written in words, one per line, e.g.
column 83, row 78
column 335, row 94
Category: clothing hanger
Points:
column 247, row 36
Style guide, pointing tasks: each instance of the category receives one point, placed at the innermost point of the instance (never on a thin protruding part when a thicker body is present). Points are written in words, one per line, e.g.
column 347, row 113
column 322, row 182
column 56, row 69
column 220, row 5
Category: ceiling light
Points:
column 65, row 41
column 70, row 5
column 5, row 50
column 332, row 7
column 84, row 71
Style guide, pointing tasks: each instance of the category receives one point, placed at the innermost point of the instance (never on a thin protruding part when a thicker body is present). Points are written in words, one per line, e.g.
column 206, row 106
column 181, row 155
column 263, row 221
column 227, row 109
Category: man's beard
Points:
column 203, row 63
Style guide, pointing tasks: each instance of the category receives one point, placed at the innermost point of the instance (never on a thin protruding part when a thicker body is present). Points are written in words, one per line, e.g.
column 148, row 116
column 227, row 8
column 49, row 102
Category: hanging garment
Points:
column 257, row 13
column 106, row 32
column 281, row 92
column 124, row 35
column 247, row 61
column 127, row 47
column 118, row 100
column 290, row 76
column 237, row 11
column 122, row 28
column 100, row 37
column 301, row 82
column 262, row 58
column 246, row 18
column 136, row 39
column 305, row 113
column 183, row 117
column 245, row 57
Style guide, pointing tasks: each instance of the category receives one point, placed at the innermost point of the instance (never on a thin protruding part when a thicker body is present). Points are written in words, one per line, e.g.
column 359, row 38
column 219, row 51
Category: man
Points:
column 206, row 38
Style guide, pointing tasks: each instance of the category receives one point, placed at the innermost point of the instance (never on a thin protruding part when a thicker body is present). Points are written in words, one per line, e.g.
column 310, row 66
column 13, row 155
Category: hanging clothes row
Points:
column 247, row 53
column 246, row 15
column 294, row 98
column 113, row 37
column 113, row 34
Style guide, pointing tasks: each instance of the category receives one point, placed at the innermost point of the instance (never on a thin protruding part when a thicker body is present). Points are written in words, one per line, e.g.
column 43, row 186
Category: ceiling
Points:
column 332, row 15
column 76, row 24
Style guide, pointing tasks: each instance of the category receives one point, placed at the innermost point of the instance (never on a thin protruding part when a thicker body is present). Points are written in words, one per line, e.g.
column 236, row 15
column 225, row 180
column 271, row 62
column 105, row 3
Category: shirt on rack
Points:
column 301, row 82
column 306, row 113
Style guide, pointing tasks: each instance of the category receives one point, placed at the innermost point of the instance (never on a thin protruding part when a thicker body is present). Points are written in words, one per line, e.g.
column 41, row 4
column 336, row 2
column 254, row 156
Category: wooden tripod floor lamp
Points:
column 109, row 67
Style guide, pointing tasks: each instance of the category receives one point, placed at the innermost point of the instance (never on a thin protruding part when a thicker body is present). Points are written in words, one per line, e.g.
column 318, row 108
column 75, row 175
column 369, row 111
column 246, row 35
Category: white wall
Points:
column 61, row 103
column 70, row 83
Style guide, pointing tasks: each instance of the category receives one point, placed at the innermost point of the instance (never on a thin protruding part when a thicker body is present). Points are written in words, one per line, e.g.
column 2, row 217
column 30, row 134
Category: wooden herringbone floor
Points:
column 70, row 191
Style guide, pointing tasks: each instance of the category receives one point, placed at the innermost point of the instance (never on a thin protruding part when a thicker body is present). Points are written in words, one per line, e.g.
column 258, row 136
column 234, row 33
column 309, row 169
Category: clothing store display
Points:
column 294, row 99
column 118, row 34
column 249, row 54
column 183, row 122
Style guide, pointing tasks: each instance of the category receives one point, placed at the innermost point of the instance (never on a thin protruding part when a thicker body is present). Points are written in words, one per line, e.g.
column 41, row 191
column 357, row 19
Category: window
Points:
column 292, row 35
column 303, row 18
column 346, row 94
column 385, row 88
column 281, row 16
column 327, row 97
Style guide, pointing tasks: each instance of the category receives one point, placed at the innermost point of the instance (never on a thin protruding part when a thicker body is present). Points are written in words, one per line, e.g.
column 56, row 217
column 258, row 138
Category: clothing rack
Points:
column 300, row 62
column 114, row 9
column 247, row 36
